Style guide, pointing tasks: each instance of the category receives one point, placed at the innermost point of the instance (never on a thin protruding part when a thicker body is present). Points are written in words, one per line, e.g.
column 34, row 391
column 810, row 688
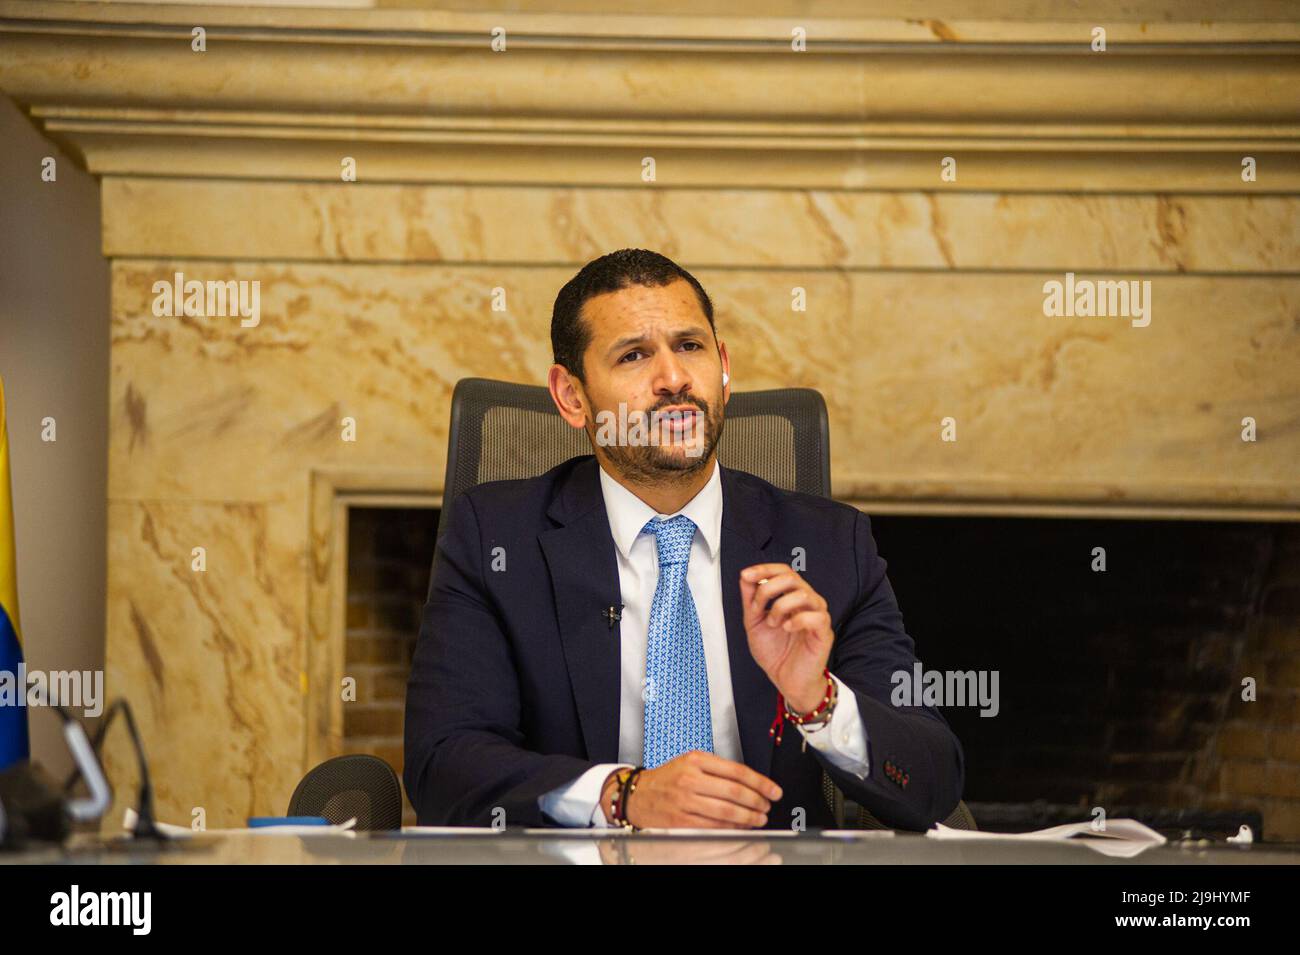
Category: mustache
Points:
column 684, row 400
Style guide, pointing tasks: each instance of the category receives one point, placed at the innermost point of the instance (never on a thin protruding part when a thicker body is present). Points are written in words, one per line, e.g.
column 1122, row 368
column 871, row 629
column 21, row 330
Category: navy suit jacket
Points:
column 515, row 682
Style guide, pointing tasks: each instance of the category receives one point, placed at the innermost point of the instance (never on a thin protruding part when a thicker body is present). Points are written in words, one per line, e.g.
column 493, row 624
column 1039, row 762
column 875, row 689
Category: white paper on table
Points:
column 347, row 829
column 448, row 830
column 1122, row 838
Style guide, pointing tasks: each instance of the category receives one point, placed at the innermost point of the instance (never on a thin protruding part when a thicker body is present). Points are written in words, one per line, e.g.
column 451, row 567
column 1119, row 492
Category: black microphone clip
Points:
column 613, row 615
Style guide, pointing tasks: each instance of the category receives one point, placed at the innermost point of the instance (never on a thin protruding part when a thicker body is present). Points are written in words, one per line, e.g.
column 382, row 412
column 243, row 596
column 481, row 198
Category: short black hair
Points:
column 570, row 335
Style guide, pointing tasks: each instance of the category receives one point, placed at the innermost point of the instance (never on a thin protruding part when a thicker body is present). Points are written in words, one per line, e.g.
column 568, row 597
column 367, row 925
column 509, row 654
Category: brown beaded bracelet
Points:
column 627, row 787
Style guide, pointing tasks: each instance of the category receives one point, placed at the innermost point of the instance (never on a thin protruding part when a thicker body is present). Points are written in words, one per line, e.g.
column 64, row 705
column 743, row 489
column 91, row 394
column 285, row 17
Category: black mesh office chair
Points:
column 501, row 431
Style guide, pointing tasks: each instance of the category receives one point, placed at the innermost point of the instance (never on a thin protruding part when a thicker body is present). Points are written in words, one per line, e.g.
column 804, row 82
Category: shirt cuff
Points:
column 843, row 740
column 577, row 804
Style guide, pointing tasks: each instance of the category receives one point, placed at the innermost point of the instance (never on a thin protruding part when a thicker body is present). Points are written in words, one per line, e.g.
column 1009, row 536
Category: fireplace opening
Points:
column 390, row 553
column 1121, row 647
column 1119, row 688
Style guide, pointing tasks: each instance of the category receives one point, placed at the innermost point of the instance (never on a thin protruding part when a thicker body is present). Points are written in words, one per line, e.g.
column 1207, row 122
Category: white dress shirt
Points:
column 843, row 740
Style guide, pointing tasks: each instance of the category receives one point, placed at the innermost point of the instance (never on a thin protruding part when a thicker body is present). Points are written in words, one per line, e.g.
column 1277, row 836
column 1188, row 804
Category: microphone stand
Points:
column 88, row 765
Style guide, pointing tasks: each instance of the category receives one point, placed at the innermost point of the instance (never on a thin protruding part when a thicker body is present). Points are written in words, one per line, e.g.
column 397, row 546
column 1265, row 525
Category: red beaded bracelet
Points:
column 781, row 711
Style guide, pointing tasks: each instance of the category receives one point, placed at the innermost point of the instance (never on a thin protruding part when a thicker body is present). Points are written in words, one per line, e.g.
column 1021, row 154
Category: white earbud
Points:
column 725, row 378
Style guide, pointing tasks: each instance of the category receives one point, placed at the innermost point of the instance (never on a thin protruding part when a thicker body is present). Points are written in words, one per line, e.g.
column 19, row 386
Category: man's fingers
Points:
column 814, row 620
column 791, row 603
column 715, row 765
column 756, row 571
column 750, row 577
column 747, row 589
column 724, row 812
column 773, row 587
column 732, row 792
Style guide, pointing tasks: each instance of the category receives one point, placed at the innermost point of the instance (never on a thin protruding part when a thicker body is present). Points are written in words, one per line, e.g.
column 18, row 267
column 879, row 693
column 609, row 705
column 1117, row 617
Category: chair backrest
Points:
column 501, row 430
column 353, row 786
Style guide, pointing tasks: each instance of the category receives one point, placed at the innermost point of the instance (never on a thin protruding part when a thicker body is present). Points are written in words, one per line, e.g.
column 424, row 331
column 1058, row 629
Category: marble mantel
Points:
column 419, row 96
column 479, row 170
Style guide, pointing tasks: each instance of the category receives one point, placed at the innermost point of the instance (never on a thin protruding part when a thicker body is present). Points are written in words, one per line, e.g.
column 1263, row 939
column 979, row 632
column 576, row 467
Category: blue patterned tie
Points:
column 677, row 714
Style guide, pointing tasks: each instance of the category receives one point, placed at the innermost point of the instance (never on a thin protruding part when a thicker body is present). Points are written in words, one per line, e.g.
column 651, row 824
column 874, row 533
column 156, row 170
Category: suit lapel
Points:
column 583, row 565
column 582, row 560
column 746, row 530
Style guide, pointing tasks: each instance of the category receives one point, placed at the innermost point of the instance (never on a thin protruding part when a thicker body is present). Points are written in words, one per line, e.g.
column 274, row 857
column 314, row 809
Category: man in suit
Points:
column 641, row 608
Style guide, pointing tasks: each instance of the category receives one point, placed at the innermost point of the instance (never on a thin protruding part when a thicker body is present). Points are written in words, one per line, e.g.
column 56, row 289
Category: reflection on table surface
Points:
column 516, row 847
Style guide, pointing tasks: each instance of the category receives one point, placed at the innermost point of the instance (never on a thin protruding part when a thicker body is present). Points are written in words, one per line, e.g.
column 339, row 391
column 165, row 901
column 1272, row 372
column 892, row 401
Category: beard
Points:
column 667, row 460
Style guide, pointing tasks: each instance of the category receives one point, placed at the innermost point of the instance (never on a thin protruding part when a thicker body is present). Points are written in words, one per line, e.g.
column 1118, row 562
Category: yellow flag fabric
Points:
column 13, row 715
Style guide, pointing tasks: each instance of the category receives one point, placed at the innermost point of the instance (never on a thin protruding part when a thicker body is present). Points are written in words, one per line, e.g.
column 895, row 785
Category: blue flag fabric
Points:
column 14, row 745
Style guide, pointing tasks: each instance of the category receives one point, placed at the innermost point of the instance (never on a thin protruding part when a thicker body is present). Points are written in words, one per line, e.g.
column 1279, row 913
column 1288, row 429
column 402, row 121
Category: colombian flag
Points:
column 13, row 719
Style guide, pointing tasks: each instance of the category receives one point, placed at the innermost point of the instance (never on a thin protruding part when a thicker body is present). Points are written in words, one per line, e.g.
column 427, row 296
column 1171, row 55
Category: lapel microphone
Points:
column 613, row 615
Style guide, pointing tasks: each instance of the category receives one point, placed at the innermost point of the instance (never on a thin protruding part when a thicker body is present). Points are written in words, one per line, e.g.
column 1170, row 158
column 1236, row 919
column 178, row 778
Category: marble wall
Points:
column 919, row 308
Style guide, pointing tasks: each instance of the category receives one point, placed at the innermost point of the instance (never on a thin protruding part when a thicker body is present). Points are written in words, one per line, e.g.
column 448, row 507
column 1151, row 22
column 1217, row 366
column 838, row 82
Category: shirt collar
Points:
column 628, row 514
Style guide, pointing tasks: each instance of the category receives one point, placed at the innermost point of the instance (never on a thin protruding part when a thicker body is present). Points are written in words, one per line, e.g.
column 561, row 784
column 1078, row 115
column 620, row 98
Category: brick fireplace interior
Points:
column 1120, row 689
